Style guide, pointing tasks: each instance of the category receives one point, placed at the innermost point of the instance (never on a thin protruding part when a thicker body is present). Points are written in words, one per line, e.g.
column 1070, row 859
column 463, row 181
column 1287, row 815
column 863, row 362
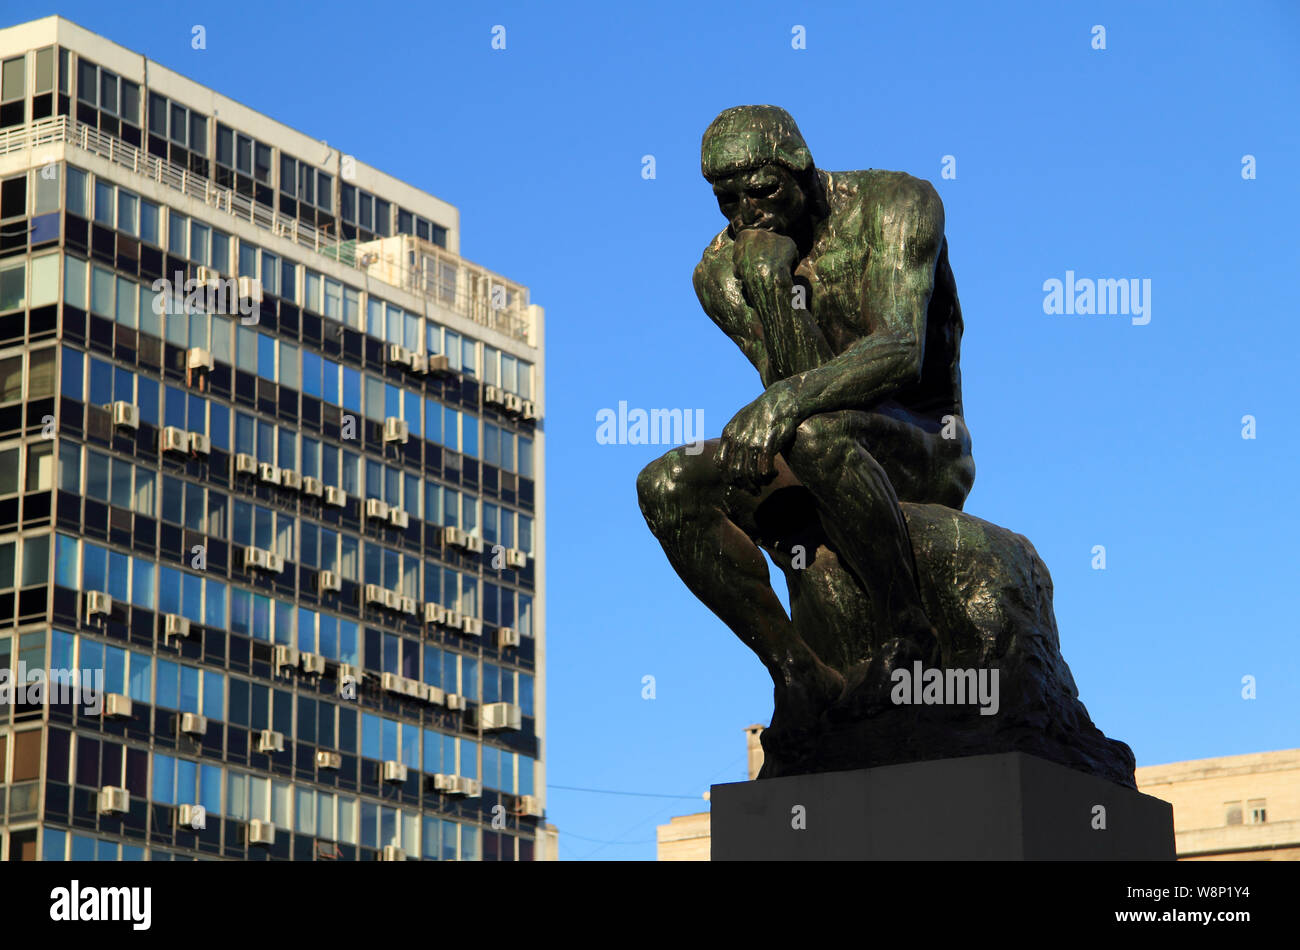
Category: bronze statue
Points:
column 850, row 471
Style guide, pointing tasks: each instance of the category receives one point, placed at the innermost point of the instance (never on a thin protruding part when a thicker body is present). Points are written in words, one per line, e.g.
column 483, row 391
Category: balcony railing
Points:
column 423, row 268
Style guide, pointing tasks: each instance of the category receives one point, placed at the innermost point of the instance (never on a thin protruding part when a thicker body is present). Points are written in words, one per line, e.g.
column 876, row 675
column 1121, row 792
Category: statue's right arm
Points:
column 723, row 298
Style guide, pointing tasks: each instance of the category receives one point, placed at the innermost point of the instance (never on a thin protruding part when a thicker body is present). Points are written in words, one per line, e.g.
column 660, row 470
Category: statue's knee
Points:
column 815, row 441
column 659, row 487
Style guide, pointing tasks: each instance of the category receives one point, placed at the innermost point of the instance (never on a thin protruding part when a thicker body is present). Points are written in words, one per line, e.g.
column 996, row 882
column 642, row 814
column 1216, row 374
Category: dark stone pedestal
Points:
column 1005, row 807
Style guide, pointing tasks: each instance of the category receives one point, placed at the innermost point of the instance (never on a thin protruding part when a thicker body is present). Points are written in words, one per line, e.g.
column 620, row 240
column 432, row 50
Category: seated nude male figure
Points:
column 836, row 286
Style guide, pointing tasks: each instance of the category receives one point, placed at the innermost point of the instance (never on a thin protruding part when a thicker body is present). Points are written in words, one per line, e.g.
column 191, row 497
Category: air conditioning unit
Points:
column 439, row 364
column 268, row 473
column 174, row 625
column 274, row 562
column 390, row 683
column 328, row 760
column 500, row 716
column 200, row 444
column 98, row 602
column 528, row 411
column 494, row 396
column 313, row 664
column 284, row 656
column 434, row 695
column 406, row 605
column 419, row 363
column 126, row 414
column 117, row 706
column 508, row 637
column 516, row 557
column 472, row 544
column 192, row 724
column 335, row 496
column 469, row 787
column 245, row 464
column 411, row 688
column 455, row 701
column 290, row 479
column 396, row 353
column 254, row 557
column 114, row 800
column 261, row 832
column 204, row 275
column 393, row 772
column 198, row 358
column 268, row 740
column 513, row 403
column 348, row 670
column 531, row 805
column 312, row 486
column 471, row 626
column 392, row 599
column 393, row 853
column 173, row 439
column 434, row 613
column 250, row 288
column 374, row 594
column 329, row 580
column 399, row 518
column 443, row 782
column 189, row 815
column 376, row 508
column 396, row 430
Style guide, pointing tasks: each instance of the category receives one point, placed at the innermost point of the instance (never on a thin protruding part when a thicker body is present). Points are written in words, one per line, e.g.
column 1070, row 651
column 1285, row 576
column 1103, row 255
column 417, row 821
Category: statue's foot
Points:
column 869, row 685
column 800, row 704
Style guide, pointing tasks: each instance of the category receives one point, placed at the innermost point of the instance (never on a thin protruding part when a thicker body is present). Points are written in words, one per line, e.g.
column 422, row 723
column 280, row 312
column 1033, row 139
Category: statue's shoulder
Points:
column 870, row 191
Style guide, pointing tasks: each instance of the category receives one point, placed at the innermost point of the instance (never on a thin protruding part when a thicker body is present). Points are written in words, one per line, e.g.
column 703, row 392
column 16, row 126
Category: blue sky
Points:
column 1123, row 162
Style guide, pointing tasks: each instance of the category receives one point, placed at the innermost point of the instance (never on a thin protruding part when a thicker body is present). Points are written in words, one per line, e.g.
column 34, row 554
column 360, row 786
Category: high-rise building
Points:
column 271, row 489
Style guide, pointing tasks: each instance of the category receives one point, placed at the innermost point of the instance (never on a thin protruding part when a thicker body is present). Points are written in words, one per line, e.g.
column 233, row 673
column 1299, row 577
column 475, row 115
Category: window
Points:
column 1256, row 812
column 1232, row 811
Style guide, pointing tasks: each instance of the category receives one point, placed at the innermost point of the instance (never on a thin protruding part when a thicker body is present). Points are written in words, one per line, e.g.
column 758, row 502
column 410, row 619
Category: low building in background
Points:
column 1232, row 808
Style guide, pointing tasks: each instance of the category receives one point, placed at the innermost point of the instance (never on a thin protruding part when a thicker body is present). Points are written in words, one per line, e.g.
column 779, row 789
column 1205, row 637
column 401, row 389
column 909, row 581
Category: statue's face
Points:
column 767, row 197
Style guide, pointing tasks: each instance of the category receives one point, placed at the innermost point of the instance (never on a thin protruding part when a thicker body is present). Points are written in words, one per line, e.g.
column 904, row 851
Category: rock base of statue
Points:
column 989, row 596
column 1006, row 807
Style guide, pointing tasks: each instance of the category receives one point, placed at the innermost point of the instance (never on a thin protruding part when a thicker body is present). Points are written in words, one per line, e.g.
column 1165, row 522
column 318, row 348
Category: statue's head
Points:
column 761, row 170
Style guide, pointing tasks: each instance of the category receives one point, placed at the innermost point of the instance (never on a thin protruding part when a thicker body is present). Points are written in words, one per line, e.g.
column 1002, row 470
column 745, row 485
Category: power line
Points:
column 608, row 791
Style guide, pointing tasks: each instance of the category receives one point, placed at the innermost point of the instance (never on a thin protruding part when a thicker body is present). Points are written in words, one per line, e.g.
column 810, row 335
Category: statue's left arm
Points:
column 906, row 238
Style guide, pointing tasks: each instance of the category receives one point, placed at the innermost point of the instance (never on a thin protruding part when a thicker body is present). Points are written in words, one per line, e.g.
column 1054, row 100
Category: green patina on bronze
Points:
column 850, row 470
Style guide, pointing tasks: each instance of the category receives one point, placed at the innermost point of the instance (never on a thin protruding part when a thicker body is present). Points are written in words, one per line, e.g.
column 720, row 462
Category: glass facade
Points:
column 267, row 583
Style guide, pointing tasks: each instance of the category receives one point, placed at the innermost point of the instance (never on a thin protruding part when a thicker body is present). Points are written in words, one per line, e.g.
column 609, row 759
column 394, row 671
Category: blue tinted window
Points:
column 214, row 603
column 141, row 677
column 164, row 779
column 119, row 574
column 147, row 399
column 94, row 567
column 169, row 590
column 266, row 356
column 142, row 575
column 214, row 695
column 311, row 373
column 219, row 426
column 101, row 382
column 65, row 561
column 74, row 370
column 351, row 389
column 370, row 738
column 54, row 844
column 168, row 685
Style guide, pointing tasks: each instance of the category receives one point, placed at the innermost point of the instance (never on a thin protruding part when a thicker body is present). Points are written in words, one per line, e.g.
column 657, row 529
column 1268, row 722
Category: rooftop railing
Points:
column 405, row 261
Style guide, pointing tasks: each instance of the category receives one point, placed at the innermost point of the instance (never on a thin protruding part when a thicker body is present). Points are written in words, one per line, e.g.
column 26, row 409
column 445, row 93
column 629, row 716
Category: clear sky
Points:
column 1088, row 430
